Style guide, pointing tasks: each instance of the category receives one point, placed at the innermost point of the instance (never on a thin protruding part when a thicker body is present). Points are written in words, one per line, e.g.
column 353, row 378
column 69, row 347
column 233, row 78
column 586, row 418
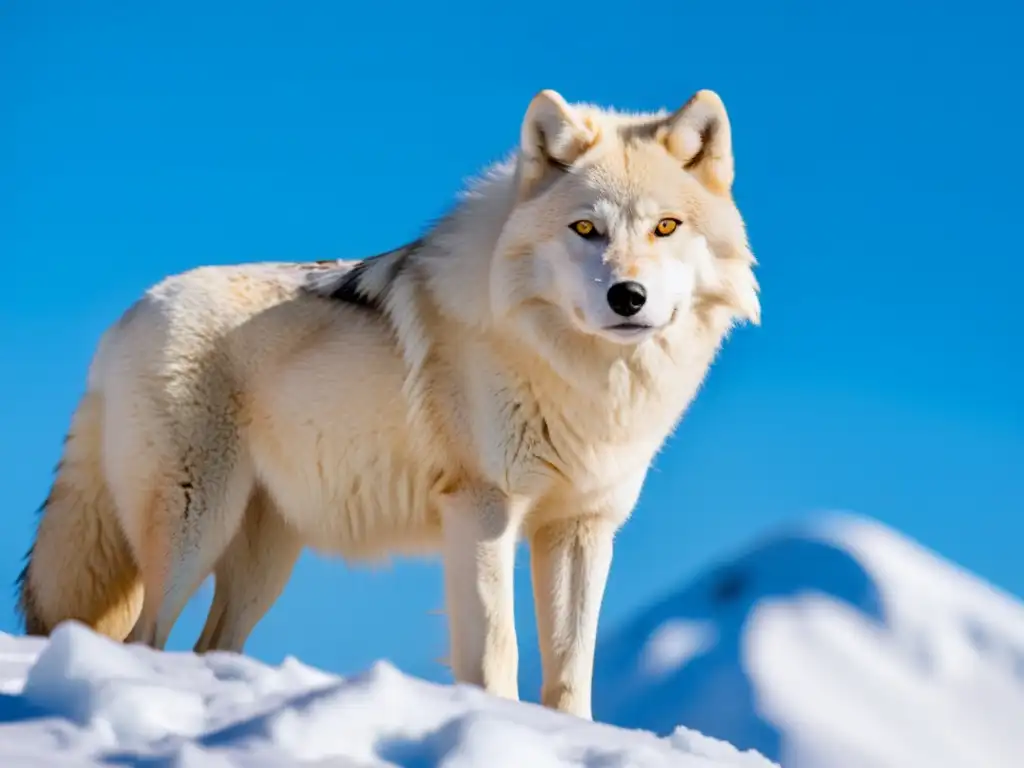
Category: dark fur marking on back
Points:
column 350, row 290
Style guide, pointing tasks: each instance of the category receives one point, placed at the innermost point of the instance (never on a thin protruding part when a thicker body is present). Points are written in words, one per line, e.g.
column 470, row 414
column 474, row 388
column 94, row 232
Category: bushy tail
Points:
column 80, row 566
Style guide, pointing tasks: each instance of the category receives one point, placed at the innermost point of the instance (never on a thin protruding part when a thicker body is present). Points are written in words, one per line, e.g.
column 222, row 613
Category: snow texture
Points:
column 838, row 644
column 835, row 644
column 80, row 699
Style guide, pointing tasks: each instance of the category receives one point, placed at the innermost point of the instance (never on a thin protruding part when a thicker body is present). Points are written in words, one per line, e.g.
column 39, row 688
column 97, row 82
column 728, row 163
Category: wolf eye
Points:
column 583, row 228
column 666, row 227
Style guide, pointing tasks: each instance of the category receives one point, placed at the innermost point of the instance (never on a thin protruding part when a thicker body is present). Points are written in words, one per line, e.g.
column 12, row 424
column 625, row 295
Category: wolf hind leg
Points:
column 189, row 519
column 250, row 575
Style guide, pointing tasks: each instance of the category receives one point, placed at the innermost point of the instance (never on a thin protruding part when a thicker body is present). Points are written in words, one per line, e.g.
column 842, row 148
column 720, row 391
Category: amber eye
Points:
column 583, row 228
column 666, row 227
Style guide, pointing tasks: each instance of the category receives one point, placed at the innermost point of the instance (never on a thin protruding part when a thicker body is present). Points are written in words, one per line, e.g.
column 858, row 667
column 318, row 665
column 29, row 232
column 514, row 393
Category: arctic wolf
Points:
column 510, row 374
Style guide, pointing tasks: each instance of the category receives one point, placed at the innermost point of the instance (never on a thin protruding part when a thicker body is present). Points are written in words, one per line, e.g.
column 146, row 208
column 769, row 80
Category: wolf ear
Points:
column 553, row 136
column 700, row 136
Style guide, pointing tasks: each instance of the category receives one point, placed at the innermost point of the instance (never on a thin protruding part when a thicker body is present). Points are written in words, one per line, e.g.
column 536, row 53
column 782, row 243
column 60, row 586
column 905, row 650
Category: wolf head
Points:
column 602, row 232
column 621, row 226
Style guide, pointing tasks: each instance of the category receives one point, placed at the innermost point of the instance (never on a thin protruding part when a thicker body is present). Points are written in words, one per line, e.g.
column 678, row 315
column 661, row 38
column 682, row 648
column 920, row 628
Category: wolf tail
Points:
column 80, row 566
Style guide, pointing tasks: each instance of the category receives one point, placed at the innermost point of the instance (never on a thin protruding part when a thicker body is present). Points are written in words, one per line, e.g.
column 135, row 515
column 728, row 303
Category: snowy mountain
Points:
column 80, row 699
column 839, row 644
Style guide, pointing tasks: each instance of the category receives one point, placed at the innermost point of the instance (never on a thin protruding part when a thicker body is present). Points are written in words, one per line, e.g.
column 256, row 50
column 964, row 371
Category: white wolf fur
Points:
column 452, row 395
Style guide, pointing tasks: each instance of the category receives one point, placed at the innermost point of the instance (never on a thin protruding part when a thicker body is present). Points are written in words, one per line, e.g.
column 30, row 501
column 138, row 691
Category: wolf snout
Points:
column 627, row 298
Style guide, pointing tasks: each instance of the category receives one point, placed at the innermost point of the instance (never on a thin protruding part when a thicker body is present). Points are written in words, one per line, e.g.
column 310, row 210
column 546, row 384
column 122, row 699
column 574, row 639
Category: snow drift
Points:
column 839, row 644
column 80, row 699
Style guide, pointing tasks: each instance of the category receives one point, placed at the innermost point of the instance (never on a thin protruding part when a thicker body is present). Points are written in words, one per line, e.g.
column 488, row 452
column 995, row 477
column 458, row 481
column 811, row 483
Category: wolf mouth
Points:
column 630, row 327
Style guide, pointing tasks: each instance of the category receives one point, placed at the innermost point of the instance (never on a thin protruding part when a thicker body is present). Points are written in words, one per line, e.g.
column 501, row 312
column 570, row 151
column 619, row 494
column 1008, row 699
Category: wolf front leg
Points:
column 570, row 560
column 480, row 529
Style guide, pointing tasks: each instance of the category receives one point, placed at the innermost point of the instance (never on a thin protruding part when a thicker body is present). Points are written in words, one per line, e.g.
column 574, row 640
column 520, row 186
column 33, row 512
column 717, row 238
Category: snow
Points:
column 675, row 643
column 836, row 644
column 80, row 699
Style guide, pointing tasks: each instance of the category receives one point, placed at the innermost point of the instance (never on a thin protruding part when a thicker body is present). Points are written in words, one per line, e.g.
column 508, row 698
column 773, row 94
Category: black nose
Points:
column 627, row 298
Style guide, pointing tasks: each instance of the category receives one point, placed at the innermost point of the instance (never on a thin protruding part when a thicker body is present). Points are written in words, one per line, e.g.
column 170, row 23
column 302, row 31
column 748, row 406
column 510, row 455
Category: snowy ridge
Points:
column 837, row 644
column 80, row 699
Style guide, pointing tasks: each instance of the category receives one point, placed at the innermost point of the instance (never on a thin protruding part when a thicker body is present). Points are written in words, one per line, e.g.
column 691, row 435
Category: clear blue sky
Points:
column 879, row 165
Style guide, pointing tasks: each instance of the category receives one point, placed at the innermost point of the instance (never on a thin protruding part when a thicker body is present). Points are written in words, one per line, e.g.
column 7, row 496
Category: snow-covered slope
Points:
column 80, row 699
column 839, row 644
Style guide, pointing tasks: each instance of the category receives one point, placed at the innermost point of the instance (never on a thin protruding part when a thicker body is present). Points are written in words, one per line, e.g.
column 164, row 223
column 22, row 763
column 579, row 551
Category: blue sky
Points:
column 878, row 166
